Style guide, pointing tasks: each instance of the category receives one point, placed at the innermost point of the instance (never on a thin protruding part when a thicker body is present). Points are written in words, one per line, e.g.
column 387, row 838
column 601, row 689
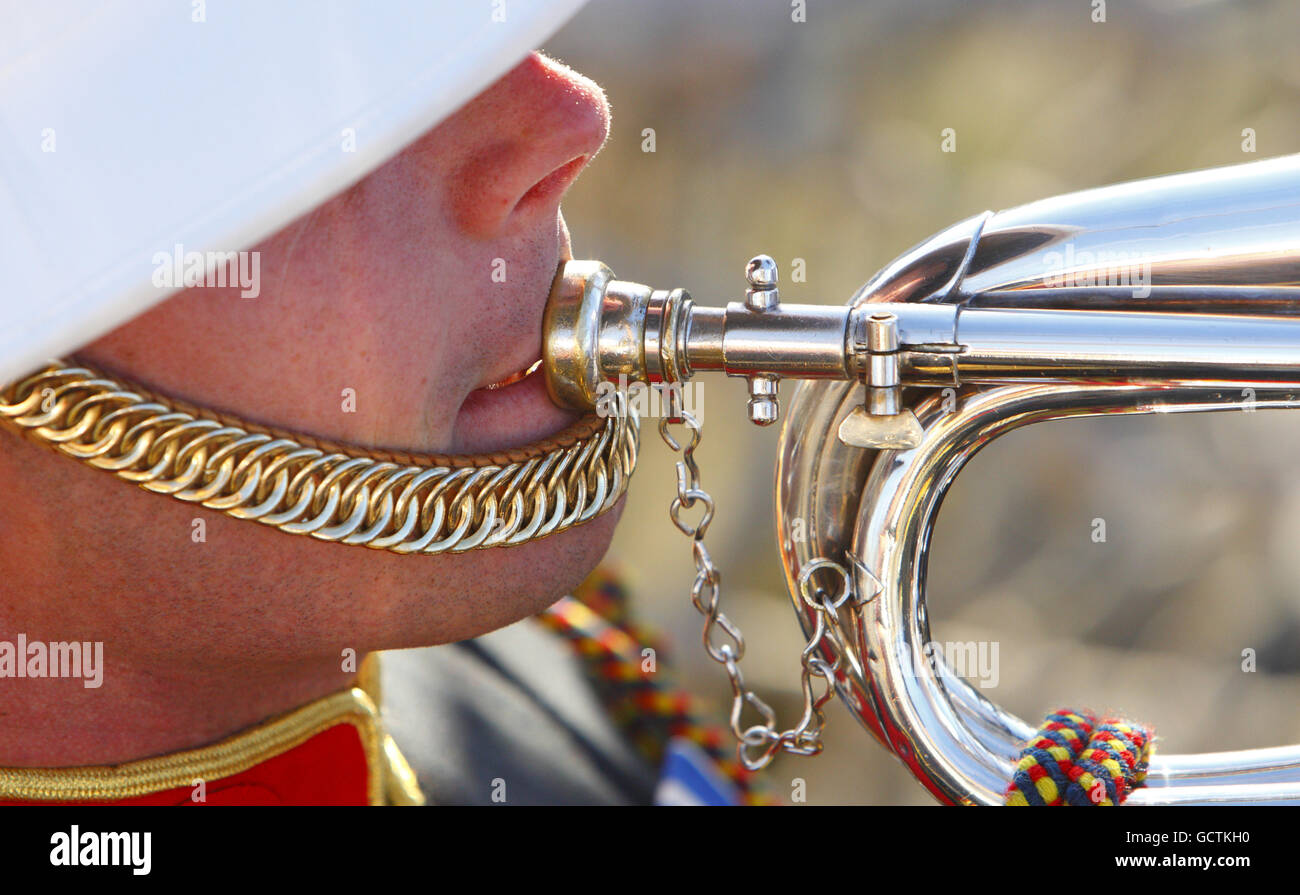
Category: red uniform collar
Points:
column 333, row 751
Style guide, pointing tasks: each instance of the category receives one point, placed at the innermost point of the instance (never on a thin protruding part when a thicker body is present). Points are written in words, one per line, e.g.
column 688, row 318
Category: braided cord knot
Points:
column 1073, row 760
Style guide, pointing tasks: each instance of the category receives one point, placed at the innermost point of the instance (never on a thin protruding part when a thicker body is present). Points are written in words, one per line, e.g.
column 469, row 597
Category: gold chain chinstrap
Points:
column 403, row 503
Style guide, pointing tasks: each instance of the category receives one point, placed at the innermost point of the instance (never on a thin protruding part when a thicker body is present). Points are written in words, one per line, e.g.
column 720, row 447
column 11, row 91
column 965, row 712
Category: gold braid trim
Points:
column 387, row 500
column 224, row 759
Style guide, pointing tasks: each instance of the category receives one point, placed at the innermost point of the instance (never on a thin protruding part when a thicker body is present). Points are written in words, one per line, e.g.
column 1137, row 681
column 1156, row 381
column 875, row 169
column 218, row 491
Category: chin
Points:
column 459, row 597
column 542, row 572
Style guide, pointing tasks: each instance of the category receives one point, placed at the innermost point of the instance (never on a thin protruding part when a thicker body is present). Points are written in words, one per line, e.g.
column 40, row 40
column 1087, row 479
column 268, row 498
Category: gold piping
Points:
column 224, row 759
column 401, row 785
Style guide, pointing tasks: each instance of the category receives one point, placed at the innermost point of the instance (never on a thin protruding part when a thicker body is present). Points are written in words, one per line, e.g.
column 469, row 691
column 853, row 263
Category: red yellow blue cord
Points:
column 634, row 687
column 1073, row 760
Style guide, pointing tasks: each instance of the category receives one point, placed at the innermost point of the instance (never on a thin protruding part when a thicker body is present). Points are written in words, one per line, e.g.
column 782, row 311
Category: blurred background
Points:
column 821, row 140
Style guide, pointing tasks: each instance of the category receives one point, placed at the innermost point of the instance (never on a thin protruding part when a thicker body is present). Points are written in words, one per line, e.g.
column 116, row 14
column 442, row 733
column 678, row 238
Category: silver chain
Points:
column 758, row 743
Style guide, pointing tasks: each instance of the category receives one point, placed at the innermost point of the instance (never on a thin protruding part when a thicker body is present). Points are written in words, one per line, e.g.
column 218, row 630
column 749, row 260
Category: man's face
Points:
column 417, row 287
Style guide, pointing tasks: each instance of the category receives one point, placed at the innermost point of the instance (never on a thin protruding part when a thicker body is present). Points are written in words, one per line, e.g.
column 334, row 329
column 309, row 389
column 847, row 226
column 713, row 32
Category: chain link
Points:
column 758, row 743
column 398, row 502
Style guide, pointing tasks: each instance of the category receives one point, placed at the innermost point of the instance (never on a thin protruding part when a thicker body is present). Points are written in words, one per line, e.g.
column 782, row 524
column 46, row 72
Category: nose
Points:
column 527, row 137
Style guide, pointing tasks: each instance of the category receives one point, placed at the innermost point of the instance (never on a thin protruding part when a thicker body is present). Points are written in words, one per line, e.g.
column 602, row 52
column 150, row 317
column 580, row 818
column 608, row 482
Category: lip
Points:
column 512, row 370
column 511, row 416
column 510, row 407
column 517, row 376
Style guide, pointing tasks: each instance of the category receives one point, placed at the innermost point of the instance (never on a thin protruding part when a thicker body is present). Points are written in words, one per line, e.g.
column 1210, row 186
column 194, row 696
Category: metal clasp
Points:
column 882, row 422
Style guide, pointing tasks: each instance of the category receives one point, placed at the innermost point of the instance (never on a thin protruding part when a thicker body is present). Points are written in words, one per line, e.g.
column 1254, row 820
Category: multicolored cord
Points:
column 634, row 686
column 1072, row 760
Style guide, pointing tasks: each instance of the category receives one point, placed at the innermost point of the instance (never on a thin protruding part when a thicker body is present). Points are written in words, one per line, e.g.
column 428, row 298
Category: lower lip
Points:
column 508, row 417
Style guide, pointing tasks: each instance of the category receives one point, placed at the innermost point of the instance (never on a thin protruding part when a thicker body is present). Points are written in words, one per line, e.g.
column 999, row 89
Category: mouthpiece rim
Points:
column 571, row 333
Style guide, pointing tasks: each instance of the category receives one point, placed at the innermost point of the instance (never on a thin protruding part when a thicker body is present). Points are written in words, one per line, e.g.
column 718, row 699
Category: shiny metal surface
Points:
column 397, row 501
column 761, row 741
column 1217, row 331
column 1172, row 295
column 899, row 502
column 595, row 331
column 1216, row 240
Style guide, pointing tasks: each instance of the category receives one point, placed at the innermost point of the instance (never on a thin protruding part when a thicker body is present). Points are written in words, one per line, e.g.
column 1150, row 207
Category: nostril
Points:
column 553, row 185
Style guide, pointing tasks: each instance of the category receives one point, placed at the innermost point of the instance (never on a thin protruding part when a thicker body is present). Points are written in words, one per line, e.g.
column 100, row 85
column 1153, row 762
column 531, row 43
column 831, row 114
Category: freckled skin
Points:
column 385, row 289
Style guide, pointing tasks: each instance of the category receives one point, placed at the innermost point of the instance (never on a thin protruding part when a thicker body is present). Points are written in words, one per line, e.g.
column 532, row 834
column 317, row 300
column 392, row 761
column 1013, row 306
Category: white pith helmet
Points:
column 132, row 126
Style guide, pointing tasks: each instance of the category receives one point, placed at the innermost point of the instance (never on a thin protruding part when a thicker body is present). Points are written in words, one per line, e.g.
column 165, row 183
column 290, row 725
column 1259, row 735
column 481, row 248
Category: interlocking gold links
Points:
column 403, row 503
